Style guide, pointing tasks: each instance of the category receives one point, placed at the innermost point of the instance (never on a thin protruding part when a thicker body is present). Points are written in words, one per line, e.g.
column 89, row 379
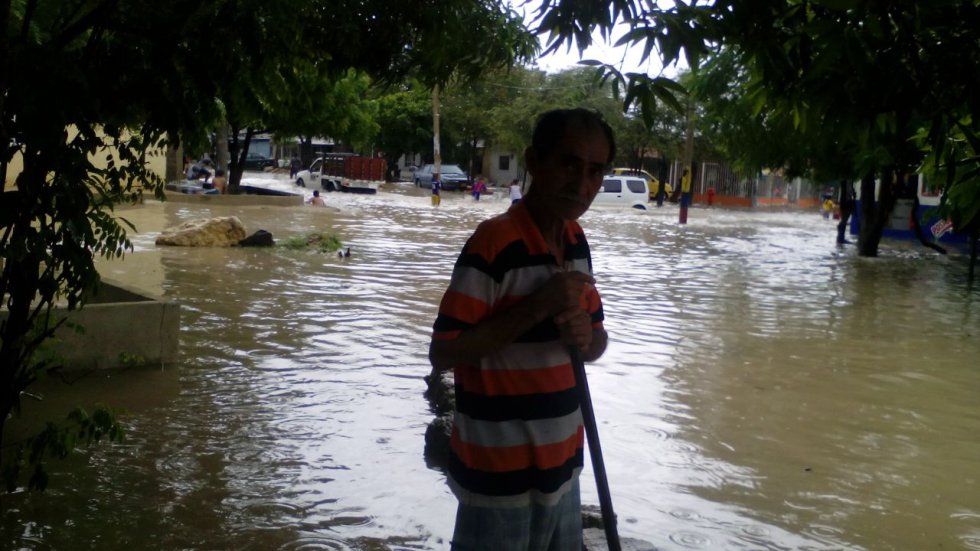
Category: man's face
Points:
column 567, row 179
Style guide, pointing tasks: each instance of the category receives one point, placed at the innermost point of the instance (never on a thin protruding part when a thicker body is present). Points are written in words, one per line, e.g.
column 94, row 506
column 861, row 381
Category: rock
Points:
column 594, row 539
column 594, row 535
column 440, row 392
column 442, row 399
column 437, row 435
column 260, row 238
column 223, row 231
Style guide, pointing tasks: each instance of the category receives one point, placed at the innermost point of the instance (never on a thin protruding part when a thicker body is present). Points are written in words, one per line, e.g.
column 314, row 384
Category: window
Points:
column 636, row 186
column 504, row 163
column 612, row 186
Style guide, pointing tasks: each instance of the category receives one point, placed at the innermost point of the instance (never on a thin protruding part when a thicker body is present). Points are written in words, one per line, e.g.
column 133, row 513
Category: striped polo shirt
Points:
column 517, row 436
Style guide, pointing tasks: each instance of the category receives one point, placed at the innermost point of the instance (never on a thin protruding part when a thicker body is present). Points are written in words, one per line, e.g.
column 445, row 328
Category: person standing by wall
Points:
column 505, row 326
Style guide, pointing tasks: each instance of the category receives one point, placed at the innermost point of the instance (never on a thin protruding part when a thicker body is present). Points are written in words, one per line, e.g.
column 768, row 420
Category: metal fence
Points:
column 758, row 189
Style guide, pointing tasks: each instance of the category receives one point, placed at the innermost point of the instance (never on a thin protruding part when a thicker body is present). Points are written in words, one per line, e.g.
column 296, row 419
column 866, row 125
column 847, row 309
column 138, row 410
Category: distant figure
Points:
column 200, row 170
column 316, row 200
column 829, row 208
column 219, row 181
column 515, row 191
column 295, row 165
column 478, row 188
column 436, row 188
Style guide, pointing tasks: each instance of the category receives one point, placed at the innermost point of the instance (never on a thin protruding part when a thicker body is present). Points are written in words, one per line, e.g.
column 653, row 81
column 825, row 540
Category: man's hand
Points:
column 573, row 320
column 575, row 325
column 564, row 291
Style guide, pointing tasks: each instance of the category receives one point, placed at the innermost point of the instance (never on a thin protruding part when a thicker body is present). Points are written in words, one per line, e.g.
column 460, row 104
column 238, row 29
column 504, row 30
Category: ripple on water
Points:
column 317, row 542
column 685, row 514
column 691, row 540
column 829, row 535
column 971, row 542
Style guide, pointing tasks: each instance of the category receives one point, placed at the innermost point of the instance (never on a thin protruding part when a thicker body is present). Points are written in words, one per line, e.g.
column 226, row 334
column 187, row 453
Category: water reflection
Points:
column 763, row 389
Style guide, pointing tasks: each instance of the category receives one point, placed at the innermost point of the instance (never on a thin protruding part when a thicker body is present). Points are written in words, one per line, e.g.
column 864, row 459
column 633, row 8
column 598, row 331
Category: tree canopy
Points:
column 854, row 82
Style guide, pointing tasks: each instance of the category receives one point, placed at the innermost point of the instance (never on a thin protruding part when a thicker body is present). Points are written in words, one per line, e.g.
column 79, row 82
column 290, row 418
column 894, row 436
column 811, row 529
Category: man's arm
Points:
column 504, row 327
column 493, row 333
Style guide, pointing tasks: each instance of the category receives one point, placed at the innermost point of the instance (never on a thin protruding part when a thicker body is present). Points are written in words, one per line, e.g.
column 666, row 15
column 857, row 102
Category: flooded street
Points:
column 762, row 389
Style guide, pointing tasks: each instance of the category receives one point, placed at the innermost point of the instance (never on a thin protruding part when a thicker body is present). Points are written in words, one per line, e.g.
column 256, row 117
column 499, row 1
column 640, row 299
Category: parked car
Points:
column 623, row 191
column 452, row 177
column 652, row 182
column 258, row 162
column 311, row 176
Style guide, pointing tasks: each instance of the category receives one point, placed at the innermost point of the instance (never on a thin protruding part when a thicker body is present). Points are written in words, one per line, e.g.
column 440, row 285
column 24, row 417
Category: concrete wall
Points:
column 156, row 161
column 118, row 321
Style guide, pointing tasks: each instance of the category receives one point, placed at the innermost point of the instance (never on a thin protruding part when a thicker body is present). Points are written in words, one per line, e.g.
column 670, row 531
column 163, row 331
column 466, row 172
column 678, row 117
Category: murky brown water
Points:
column 762, row 390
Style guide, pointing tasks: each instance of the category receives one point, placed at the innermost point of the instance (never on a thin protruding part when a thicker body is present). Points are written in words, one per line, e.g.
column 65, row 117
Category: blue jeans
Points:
column 531, row 528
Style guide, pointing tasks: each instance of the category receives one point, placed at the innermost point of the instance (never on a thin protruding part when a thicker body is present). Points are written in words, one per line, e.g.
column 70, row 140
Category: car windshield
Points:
column 451, row 169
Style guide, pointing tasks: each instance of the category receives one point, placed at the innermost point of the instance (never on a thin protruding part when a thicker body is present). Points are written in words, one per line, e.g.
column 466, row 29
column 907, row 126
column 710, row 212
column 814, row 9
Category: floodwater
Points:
column 763, row 389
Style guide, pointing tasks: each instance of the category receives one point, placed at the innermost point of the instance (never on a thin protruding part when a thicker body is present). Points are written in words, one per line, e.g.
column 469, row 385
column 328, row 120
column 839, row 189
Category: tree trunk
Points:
column 174, row 170
column 974, row 237
column 239, row 152
column 875, row 211
column 846, row 205
column 222, row 154
column 306, row 151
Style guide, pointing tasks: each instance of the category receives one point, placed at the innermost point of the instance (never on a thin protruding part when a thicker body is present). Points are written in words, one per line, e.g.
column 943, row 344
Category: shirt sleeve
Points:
column 472, row 291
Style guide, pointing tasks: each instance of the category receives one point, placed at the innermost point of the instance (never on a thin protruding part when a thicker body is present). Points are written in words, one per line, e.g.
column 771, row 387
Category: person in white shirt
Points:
column 515, row 191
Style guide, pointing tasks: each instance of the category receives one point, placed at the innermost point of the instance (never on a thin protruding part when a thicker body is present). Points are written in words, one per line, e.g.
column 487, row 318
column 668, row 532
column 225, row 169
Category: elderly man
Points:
column 521, row 294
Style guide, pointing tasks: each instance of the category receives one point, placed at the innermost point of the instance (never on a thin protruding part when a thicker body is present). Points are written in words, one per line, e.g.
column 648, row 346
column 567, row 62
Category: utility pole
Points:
column 436, row 154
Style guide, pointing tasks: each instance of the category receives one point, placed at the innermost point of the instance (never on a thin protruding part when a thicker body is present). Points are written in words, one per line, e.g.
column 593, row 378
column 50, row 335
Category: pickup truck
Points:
column 344, row 172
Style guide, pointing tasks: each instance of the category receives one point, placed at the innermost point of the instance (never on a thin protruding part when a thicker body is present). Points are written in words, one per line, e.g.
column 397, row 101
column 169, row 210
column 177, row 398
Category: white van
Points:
column 623, row 191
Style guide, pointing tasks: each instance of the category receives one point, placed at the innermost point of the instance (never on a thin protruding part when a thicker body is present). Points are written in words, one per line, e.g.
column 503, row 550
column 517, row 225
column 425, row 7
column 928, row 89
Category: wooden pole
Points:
column 595, row 450
column 436, row 153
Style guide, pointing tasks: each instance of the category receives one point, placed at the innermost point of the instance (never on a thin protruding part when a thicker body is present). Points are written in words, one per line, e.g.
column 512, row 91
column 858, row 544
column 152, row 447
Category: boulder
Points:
column 261, row 238
column 223, row 231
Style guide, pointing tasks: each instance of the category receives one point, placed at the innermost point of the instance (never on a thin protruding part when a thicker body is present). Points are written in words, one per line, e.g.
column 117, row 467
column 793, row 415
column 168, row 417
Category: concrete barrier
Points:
column 236, row 200
column 118, row 327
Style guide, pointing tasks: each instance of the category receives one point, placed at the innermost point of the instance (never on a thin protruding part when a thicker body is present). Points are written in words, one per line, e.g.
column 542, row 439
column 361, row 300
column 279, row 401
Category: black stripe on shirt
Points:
column 510, row 483
column 514, row 255
column 527, row 407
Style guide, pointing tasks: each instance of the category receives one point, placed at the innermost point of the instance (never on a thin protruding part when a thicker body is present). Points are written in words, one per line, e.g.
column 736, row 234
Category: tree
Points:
column 339, row 107
column 83, row 152
column 503, row 40
column 517, row 97
column 405, row 116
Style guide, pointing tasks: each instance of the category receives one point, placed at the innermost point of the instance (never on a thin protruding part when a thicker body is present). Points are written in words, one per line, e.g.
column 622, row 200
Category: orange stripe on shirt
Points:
column 463, row 307
column 516, row 382
column 492, row 236
column 516, row 458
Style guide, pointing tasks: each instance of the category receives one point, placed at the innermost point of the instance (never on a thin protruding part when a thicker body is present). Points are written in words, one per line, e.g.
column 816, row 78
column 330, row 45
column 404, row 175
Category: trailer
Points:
column 351, row 173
